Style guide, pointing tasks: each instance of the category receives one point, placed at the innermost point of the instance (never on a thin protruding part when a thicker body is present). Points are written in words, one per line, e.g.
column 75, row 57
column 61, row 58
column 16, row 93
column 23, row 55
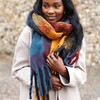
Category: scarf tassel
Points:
column 43, row 82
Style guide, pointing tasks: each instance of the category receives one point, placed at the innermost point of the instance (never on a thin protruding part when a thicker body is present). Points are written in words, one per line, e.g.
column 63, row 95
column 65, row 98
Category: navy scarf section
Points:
column 39, row 50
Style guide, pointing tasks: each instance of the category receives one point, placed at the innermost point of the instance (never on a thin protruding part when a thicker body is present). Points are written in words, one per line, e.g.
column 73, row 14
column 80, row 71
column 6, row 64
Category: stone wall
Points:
column 13, row 14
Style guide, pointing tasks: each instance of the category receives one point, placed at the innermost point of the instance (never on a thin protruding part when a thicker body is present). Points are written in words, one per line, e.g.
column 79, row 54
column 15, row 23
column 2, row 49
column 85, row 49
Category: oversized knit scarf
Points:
column 48, row 38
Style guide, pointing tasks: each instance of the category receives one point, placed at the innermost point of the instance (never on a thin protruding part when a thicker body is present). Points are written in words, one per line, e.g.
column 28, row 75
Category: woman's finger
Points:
column 53, row 57
column 48, row 63
column 56, row 87
column 59, row 84
column 56, row 82
column 50, row 59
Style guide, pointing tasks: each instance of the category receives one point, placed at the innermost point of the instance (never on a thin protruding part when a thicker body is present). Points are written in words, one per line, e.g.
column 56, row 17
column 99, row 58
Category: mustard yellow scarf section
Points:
column 57, row 34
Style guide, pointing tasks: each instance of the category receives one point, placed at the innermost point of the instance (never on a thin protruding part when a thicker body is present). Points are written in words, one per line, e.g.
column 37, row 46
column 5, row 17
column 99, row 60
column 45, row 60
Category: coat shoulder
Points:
column 26, row 35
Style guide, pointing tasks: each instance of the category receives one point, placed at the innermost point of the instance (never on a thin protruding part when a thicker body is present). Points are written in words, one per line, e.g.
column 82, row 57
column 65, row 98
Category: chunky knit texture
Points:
column 48, row 38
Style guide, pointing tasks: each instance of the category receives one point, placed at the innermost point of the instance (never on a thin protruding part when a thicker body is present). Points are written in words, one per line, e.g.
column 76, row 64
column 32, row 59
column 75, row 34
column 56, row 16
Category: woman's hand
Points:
column 56, row 63
column 56, row 83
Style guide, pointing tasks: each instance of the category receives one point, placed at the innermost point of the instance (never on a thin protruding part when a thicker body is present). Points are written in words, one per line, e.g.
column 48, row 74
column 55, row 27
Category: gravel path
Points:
column 9, row 88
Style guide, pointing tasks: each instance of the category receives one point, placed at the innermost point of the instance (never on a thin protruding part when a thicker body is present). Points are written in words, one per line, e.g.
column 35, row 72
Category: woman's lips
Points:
column 51, row 18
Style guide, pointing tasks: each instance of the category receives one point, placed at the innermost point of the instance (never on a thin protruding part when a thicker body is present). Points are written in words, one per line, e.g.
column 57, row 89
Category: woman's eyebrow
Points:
column 57, row 3
column 45, row 2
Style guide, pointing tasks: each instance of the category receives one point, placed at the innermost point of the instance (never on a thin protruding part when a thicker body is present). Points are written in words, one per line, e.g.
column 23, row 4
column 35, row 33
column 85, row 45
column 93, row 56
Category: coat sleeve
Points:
column 77, row 73
column 21, row 61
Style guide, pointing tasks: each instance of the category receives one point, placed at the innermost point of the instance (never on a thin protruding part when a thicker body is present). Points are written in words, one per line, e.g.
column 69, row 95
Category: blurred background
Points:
column 13, row 15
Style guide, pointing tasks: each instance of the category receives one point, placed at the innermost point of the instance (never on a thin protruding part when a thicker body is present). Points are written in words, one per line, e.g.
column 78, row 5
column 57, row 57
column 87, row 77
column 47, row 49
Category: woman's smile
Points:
column 51, row 18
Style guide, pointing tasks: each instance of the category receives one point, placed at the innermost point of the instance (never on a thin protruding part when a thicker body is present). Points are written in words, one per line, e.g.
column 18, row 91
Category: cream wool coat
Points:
column 21, row 71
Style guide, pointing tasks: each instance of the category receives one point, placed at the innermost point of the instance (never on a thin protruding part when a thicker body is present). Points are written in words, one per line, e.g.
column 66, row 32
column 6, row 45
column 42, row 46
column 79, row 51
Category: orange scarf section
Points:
column 57, row 35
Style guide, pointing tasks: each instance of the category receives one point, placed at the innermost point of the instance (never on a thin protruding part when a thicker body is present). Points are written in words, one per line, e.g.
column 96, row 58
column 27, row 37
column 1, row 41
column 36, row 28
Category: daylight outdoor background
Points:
column 13, row 14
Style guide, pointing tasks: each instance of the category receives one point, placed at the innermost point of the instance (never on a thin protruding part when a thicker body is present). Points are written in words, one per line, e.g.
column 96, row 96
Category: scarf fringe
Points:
column 43, row 82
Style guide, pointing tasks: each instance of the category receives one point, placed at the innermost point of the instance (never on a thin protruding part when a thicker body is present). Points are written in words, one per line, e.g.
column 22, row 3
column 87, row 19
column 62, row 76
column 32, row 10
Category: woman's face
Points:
column 53, row 10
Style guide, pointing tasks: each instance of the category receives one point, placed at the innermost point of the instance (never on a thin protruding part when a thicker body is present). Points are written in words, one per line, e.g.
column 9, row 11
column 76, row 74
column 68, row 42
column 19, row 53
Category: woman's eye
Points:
column 45, row 6
column 57, row 6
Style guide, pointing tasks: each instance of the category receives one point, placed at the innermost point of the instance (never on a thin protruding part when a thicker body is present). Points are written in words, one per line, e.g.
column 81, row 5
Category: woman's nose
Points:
column 51, row 10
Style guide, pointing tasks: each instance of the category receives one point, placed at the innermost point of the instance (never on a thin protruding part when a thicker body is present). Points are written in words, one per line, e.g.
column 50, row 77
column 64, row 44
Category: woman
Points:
column 53, row 47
